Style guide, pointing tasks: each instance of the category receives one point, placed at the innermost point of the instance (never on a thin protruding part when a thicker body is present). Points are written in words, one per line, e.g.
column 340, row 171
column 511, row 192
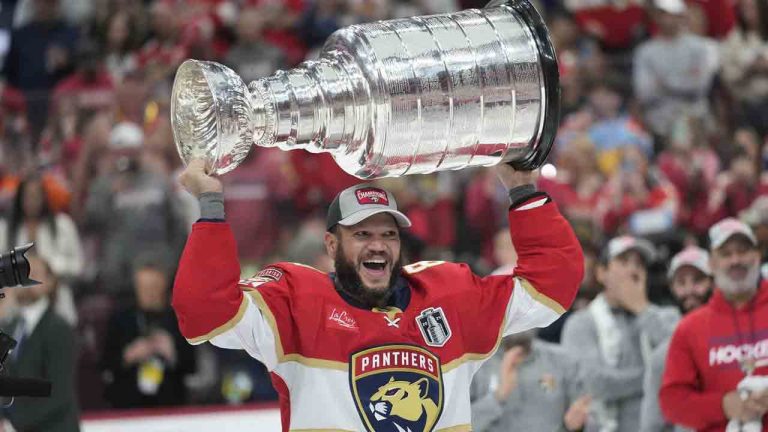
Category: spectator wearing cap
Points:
column 673, row 71
column 131, row 209
column 691, row 283
column 616, row 334
column 719, row 349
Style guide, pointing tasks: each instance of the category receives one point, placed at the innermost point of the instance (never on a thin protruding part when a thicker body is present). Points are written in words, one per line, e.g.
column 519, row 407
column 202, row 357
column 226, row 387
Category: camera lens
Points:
column 14, row 268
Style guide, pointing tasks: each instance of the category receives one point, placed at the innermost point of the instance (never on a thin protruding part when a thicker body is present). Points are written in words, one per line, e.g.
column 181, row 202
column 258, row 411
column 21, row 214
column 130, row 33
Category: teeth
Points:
column 376, row 261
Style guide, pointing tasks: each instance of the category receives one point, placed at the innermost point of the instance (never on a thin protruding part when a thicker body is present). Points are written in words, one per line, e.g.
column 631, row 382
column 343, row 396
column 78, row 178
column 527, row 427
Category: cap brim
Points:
column 357, row 217
column 674, row 270
column 747, row 235
column 641, row 246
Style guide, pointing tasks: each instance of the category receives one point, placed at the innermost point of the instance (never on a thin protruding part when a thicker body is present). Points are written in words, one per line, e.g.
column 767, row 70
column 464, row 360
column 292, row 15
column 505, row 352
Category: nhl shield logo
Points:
column 434, row 326
column 397, row 388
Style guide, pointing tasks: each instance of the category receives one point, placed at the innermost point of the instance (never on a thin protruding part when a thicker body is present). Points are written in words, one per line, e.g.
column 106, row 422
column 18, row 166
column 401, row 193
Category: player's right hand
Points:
column 196, row 181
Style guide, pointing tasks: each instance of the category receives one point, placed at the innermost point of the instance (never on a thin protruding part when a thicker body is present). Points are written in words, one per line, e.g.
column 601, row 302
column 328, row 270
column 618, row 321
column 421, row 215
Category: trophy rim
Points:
column 551, row 74
column 211, row 160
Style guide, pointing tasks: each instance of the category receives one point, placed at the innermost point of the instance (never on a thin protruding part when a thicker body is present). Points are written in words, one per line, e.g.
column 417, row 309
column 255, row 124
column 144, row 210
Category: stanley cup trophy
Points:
column 404, row 96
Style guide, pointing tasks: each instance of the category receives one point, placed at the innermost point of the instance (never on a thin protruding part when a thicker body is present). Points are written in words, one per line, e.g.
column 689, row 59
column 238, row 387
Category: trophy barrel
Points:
column 406, row 96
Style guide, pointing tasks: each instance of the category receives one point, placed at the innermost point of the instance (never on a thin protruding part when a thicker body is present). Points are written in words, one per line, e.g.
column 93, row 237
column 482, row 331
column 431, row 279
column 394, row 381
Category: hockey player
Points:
column 375, row 345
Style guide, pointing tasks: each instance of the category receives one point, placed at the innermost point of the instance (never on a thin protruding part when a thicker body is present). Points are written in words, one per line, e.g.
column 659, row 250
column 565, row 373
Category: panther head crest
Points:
column 404, row 400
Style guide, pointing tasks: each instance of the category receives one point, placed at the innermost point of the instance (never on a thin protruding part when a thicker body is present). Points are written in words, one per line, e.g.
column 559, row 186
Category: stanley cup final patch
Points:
column 397, row 388
column 434, row 326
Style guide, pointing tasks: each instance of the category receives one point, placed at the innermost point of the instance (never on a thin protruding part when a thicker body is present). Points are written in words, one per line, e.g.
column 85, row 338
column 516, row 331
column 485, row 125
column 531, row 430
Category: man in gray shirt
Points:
column 528, row 385
column 673, row 71
column 691, row 284
column 613, row 338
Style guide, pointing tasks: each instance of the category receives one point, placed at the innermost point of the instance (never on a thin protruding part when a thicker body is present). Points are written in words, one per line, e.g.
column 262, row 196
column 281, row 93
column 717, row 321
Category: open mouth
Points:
column 375, row 267
column 737, row 272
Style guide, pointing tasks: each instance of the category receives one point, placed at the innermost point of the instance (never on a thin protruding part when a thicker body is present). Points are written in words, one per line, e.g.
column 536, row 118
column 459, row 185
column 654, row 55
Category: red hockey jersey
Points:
column 703, row 362
column 342, row 368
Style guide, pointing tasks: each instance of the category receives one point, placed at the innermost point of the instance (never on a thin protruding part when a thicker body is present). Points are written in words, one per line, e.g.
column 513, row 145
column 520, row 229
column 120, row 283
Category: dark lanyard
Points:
column 747, row 365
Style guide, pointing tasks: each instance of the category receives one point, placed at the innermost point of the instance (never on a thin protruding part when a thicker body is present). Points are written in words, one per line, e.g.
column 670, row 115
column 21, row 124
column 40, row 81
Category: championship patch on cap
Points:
column 372, row 196
column 397, row 388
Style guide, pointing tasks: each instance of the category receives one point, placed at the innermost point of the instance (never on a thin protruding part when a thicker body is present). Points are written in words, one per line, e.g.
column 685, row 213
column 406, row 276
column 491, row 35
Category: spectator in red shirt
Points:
column 282, row 17
column 164, row 51
column 637, row 199
column 692, row 167
column 719, row 346
column 616, row 26
column 720, row 16
column 90, row 84
column 736, row 189
column 576, row 184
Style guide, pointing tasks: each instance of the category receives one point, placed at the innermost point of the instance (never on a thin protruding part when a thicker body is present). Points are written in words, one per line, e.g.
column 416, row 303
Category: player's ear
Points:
column 423, row 384
column 331, row 241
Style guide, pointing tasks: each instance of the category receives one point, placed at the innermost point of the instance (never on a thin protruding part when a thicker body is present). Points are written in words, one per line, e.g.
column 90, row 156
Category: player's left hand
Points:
column 512, row 178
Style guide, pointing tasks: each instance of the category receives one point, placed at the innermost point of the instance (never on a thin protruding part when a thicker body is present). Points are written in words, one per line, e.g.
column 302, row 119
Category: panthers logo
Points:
column 397, row 388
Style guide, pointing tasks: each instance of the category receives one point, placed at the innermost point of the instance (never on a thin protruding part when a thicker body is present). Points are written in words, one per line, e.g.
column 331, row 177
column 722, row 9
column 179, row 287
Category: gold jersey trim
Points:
column 281, row 356
column 541, row 298
column 222, row 328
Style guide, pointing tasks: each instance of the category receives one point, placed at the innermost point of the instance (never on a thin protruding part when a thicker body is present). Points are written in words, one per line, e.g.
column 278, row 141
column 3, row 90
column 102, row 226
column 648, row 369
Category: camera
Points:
column 14, row 268
column 14, row 272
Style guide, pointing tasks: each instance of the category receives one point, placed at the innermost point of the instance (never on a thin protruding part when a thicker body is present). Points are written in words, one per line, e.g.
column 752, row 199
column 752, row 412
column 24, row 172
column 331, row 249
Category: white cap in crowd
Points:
column 722, row 231
column 674, row 7
column 618, row 245
column 691, row 256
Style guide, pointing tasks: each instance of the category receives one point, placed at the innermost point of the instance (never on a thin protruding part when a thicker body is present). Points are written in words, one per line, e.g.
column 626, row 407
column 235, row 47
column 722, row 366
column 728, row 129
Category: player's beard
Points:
column 350, row 283
column 736, row 288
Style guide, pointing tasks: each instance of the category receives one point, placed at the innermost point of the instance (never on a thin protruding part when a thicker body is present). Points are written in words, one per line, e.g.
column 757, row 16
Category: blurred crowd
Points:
column 664, row 132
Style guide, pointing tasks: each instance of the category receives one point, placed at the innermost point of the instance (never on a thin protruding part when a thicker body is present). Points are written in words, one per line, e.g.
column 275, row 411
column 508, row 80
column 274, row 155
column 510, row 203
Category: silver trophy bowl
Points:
column 407, row 96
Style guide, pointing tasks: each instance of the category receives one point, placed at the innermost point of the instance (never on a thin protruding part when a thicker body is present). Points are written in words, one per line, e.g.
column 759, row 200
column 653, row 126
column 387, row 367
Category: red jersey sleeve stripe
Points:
column 550, row 258
column 226, row 326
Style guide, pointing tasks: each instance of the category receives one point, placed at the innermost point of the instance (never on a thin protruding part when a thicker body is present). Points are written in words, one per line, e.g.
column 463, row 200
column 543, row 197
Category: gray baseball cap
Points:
column 359, row 202
column 618, row 245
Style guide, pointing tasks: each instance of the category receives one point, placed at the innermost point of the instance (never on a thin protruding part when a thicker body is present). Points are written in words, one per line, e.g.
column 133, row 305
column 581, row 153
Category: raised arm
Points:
column 550, row 264
column 210, row 301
